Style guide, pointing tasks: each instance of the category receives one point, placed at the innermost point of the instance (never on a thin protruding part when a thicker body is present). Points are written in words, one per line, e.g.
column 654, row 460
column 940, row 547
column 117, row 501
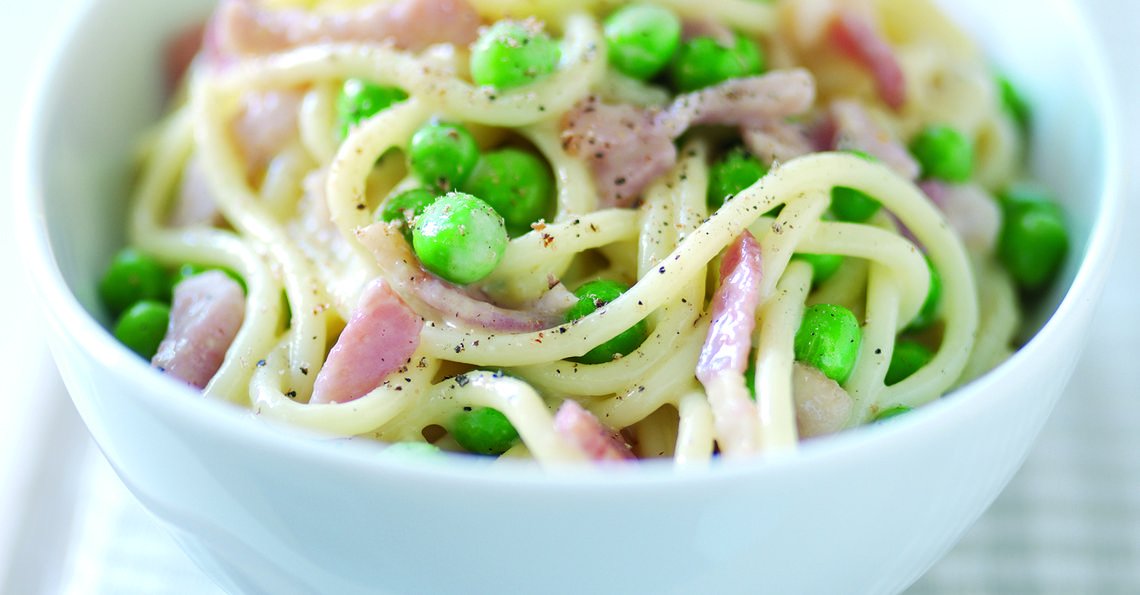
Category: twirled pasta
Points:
column 295, row 228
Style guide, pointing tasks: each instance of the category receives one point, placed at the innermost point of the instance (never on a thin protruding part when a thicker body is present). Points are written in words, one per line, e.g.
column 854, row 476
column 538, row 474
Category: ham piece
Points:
column 970, row 211
column 455, row 303
column 265, row 124
column 582, row 429
column 379, row 339
column 241, row 27
column 628, row 147
column 724, row 355
column 850, row 127
column 855, row 35
column 207, row 312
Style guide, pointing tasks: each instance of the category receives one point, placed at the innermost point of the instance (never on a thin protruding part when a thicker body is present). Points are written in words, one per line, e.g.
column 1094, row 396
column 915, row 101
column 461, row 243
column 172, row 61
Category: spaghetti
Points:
column 298, row 220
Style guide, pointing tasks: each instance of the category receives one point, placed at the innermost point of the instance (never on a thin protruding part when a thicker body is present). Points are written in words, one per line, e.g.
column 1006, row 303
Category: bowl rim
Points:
column 63, row 310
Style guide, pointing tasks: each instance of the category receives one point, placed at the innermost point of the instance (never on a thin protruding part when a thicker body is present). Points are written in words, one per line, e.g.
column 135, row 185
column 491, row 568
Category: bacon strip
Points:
column 207, row 313
column 451, row 301
column 381, row 336
column 242, row 27
column 969, row 210
column 583, row 430
column 628, row 147
column 265, row 124
column 724, row 355
column 852, row 128
column 853, row 32
column 778, row 142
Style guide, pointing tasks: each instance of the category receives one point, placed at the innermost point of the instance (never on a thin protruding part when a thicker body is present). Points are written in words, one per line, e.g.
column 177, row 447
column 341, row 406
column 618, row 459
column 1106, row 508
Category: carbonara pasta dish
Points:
column 584, row 230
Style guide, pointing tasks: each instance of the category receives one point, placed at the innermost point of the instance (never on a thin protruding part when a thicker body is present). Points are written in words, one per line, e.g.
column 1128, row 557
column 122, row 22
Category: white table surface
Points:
column 1068, row 523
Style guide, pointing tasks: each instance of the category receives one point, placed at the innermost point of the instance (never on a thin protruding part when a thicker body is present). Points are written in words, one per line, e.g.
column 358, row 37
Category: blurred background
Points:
column 1068, row 523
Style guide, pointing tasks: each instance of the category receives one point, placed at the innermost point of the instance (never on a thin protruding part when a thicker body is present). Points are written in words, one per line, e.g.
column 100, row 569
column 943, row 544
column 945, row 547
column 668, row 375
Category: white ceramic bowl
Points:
column 268, row 510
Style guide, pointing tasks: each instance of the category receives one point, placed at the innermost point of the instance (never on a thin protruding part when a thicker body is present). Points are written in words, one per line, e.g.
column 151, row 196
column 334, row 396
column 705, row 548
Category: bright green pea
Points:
column 929, row 311
column 906, row 359
column 642, row 39
column 1033, row 240
column 443, row 155
column 483, row 431
column 828, row 339
column 460, row 238
column 944, row 153
column 823, row 266
column 594, row 295
column 143, row 326
column 189, row 270
column 732, row 173
column 360, row 100
column 1014, row 102
column 702, row 62
column 404, row 207
column 511, row 54
column 517, row 184
column 852, row 205
column 133, row 276
column 895, row 411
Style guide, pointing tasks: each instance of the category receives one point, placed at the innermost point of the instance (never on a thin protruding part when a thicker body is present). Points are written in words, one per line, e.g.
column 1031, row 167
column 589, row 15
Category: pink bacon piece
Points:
column 265, row 124
column 969, row 210
column 242, row 27
column 379, row 339
column 628, row 147
column 850, row 127
column 454, row 302
column 624, row 146
column 179, row 54
column 207, row 313
column 778, row 142
column 855, row 35
column 724, row 355
column 196, row 204
column 582, row 429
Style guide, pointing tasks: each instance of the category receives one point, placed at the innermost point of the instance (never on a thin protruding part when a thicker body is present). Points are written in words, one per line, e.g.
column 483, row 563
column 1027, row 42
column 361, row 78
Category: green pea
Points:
column 732, row 173
column 517, row 184
column 594, row 295
column 460, row 238
column 928, row 313
column 189, row 270
column 906, row 359
column 143, row 326
column 1033, row 240
column 702, row 62
column 943, row 153
column 133, row 276
column 484, row 431
column 1014, row 102
column 404, row 207
column 823, row 266
column 511, row 54
column 828, row 339
column 360, row 100
column 895, row 411
column 443, row 155
column 852, row 205
column 642, row 39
